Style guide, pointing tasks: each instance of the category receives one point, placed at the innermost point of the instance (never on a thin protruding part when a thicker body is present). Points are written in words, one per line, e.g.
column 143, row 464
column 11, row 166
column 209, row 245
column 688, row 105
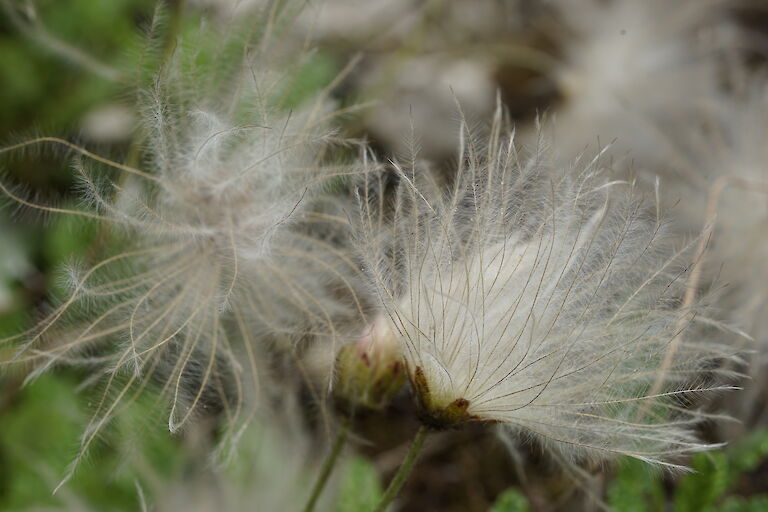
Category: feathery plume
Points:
column 629, row 66
column 718, row 167
column 538, row 298
column 209, row 233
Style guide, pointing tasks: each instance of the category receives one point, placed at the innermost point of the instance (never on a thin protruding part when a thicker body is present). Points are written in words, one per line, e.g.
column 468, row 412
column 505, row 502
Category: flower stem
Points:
column 174, row 28
column 328, row 465
column 405, row 470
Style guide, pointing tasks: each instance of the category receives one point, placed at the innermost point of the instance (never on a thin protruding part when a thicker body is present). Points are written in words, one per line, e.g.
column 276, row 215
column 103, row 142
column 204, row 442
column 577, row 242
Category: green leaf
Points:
column 39, row 438
column 636, row 487
column 317, row 72
column 68, row 236
column 510, row 500
column 699, row 491
column 747, row 454
column 757, row 503
column 360, row 488
column 716, row 472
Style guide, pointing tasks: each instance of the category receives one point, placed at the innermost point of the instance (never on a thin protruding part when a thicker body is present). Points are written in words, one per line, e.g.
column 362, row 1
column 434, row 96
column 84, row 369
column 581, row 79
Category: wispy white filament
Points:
column 541, row 299
column 220, row 238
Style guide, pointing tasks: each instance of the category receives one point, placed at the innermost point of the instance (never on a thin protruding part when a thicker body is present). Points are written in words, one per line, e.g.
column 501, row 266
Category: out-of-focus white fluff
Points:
column 725, row 141
column 209, row 243
column 629, row 66
column 544, row 299
column 423, row 99
column 273, row 471
column 718, row 174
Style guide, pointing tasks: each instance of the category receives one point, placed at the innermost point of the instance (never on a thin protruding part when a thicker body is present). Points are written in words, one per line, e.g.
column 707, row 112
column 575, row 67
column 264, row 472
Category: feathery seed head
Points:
column 206, row 237
column 630, row 65
column 540, row 299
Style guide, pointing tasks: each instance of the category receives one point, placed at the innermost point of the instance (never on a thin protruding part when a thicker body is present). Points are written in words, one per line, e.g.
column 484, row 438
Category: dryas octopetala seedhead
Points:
column 673, row 67
column 196, row 242
column 720, row 158
column 540, row 299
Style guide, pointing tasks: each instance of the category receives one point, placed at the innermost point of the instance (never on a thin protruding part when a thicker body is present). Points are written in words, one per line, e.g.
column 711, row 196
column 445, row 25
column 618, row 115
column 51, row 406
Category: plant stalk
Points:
column 404, row 471
column 329, row 464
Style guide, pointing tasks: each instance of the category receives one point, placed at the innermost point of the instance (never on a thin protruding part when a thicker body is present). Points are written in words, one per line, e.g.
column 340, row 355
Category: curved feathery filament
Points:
column 541, row 299
column 207, row 255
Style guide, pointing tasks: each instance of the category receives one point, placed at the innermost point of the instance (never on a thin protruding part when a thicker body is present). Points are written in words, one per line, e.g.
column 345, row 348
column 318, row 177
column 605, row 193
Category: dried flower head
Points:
column 540, row 299
column 197, row 242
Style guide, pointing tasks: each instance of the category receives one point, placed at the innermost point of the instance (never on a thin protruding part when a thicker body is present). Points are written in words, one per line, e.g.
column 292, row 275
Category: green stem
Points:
column 174, row 27
column 405, row 469
column 328, row 465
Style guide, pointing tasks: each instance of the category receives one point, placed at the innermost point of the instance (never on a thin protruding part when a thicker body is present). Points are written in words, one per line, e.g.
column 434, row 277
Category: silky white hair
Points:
column 717, row 173
column 628, row 66
column 220, row 241
column 543, row 299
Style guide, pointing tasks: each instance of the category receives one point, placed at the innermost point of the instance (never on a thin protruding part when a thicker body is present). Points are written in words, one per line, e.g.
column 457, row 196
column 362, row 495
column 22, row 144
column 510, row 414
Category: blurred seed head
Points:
column 203, row 244
column 631, row 66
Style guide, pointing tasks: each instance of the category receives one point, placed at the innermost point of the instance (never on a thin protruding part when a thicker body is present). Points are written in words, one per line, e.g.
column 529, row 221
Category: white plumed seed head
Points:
column 207, row 240
column 201, row 230
column 630, row 65
column 538, row 299
column 716, row 170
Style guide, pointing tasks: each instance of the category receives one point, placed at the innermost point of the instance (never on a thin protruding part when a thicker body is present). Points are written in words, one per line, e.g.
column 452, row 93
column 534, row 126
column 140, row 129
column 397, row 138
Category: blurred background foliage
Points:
column 49, row 86
column 46, row 88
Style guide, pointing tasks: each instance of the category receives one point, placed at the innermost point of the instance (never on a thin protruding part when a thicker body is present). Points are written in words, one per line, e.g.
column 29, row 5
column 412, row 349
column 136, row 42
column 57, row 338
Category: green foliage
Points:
column 317, row 72
column 510, row 500
column 209, row 59
column 717, row 472
column 68, row 236
column 14, row 267
column 360, row 488
column 38, row 440
column 38, row 76
column 637, row 488
column 41, row 440
column 749, row 453
column 757, row 503
column 12, row 322
column 700, row 490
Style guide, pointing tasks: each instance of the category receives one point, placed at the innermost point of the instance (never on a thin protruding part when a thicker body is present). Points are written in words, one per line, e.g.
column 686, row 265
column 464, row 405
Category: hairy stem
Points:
column 328, row 465
column 174, row 28
column 404, row 471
